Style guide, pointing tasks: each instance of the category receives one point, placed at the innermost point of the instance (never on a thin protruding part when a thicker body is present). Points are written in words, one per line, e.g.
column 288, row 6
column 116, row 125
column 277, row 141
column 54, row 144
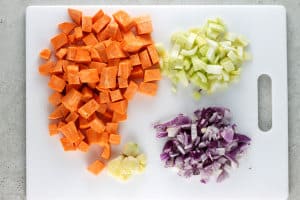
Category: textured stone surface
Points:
column 12, row 86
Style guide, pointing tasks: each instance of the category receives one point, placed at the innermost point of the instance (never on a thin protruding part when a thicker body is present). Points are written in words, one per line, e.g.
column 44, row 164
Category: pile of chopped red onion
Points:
column 206, row 145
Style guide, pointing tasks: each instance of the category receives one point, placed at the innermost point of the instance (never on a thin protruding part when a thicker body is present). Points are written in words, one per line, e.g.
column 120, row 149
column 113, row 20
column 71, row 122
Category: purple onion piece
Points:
column 161, row 134
column 222, row 176
column 203, row 146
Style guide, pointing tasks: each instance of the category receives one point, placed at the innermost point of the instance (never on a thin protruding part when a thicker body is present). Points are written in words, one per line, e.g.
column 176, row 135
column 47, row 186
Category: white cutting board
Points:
column 263, row 172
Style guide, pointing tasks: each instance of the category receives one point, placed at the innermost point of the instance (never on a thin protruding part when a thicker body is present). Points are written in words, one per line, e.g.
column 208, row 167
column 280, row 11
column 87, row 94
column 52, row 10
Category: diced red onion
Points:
column 206, row 145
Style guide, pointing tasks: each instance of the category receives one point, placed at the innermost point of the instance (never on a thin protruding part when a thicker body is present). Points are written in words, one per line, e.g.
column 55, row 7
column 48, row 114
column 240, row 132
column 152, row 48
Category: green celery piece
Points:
column 236, row 72
column 182, row 78
column 187, row 64
column 227, row 64
column 178, row 38
column 196, row 80
column 175, row 51
column 212, row 34
column 240, row 52
column 200, row 40
column 210, row 54
column 203, row 50
column 176, row 61
column 190, row 40
column 212, row 43
column 214, row 69
column 173, row 89
column 242, row 41
column 174, row 80
column 215, row 85
column 225, row 75
column 196, row 95
column 234, row 78
column 178, row 67
column 204, row 59
column 217, row 58
column 190, row 52
column 160, row 50
column 191, row 72
column 202, row 77
column 221, row 22
column 247, row 56
column 230, row 36
column 233, row 56
column 198, row 64
column 216, row 27
column 195, row 30
column 210, row 20
column 212, row 77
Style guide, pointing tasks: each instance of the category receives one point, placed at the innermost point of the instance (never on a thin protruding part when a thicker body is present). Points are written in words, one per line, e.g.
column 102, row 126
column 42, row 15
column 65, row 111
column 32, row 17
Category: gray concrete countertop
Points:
column 12, row 86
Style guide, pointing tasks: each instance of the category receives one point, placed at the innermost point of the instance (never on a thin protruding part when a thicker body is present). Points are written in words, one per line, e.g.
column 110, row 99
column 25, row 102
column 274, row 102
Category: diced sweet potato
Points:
column 66, row 27
column 145, row 59
column 70, row 131
column 59, row 41
column 148, row 88
column 71, row 100
column 131, row 90
column 67, row 145
column 89, row 76
column 119, row 106
column 88, row 109
column 86, row 24
column 152, row 75
column 143, row 24
column 124, row 20
column 96, row 167
column 56, row 83
column 75, row 15
column 45, row 54
column 59, row 112
column 115, row 95
column 90, row 39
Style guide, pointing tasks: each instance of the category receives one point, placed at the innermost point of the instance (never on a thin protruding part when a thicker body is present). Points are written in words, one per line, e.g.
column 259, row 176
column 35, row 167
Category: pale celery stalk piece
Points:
column 208, row 57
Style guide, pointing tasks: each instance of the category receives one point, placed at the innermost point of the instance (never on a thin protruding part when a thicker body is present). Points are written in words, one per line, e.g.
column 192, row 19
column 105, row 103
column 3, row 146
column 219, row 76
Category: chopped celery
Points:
column 187, row 64
column 226, row 77
column 200, row 40
column 175, row 51
column 242, row 40
column 233, row 56
column 247, row 56
column 216, row 27
column 214, row 69
column 196, row 95
column 208, row 57
column 195, row 30
column 160, row 49
column 182, row 78
column 190, row 40
column 210, row 54
column 212, row 43
column 203, row 50
column 202, row 77
column 190, row 52
column 198, row 64
column 174, row 89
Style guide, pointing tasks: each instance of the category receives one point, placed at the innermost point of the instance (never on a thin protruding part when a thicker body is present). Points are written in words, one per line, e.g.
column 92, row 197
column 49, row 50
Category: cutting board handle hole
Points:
column 264, row 88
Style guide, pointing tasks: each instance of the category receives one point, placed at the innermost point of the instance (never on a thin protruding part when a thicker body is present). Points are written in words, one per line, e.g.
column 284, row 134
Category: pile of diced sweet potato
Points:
column 96, row 65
